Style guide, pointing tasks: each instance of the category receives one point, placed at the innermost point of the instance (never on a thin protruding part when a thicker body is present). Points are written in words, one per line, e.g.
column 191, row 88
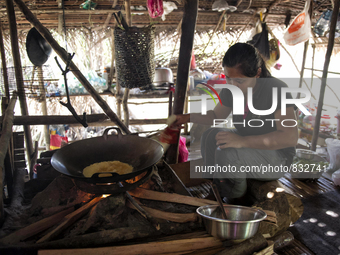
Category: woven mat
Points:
column 319, row 226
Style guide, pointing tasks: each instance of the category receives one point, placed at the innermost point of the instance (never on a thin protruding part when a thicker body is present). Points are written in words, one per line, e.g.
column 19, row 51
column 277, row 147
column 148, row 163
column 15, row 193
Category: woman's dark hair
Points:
column 247, row 58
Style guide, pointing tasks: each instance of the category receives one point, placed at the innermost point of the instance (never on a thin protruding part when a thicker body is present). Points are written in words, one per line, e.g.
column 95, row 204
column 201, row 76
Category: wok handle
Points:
column 106, row 131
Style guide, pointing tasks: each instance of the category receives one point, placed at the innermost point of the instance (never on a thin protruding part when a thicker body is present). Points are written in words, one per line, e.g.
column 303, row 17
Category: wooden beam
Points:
column 64, row 56
column 325, row 74
column 92, row 120
column 185, row 52
column 19, row 79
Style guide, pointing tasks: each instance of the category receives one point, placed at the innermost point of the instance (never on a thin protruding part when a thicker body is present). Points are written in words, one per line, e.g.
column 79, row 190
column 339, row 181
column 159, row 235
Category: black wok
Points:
column 141, row 153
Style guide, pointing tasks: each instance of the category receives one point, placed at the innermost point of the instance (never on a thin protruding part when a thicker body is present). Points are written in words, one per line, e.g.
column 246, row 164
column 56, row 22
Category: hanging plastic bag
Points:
column 299, row 30
column 155, row 8
column 333, row 148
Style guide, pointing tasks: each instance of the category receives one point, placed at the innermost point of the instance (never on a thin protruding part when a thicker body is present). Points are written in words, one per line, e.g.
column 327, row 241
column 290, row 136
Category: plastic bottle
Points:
column 322, row 25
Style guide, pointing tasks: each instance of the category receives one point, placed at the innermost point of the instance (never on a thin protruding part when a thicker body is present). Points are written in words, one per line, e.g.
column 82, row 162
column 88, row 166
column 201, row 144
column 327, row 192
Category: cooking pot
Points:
column 141, row 153
column 38, row 50
column 163, row 75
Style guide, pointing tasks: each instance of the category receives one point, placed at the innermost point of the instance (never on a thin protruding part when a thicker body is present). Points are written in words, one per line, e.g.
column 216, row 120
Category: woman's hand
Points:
column 179, row 121
column 225, row 139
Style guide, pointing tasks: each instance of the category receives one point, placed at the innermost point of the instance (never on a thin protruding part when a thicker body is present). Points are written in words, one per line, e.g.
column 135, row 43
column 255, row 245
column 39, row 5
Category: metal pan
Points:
column 141, row 153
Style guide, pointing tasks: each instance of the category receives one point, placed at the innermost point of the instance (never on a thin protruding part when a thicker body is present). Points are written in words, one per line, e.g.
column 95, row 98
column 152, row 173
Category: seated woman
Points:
column 266, row 141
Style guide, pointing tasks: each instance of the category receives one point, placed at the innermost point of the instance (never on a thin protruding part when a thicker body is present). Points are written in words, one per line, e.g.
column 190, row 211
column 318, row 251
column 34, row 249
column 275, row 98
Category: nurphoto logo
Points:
column 238, row 105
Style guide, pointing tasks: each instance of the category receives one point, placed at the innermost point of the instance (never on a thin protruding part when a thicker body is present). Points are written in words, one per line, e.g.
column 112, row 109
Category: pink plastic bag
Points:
column 155, row 8
column 183, row 152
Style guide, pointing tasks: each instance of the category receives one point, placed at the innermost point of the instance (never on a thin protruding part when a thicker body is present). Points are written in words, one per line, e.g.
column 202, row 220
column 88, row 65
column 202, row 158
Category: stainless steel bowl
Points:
column 307, row 154
column 242, row 222
column 163, row 75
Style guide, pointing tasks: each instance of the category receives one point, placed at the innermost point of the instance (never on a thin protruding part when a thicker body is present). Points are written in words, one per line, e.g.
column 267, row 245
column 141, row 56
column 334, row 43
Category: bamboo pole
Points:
column 5, row 138
column 303, row 65
column 19, row 79
column 43, row 105
column 118, row 88
column 310, row 11
column 325, row 73
column 187, row 41
column 64, row 56
column 4, row 65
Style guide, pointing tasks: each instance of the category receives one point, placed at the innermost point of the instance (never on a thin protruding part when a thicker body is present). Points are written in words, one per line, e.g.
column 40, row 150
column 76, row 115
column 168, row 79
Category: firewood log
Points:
column 174, row 217
column 35, row 228
column 247, row 247
column 170, row 247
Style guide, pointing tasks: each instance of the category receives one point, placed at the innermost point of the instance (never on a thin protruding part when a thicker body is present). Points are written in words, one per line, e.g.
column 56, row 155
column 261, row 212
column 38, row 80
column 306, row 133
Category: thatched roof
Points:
column 50, row 13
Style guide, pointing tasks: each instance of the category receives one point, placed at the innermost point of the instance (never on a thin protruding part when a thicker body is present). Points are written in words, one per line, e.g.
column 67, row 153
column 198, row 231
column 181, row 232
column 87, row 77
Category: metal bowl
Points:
column 242, row 222
column 306, row 154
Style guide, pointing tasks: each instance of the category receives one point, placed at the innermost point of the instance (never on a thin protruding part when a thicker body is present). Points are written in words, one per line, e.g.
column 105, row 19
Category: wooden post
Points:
column 170, row 103
column 324, row 74
column 4, row 65
column 64, row 56
column 126, row 90
column 187, row 41
column 6, row 135
column 19, row 79
column 43, row 105
column 312, row 76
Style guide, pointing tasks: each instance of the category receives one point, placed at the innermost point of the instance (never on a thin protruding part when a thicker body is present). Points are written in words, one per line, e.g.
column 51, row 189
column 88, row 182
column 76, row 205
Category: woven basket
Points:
column 135, row 56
